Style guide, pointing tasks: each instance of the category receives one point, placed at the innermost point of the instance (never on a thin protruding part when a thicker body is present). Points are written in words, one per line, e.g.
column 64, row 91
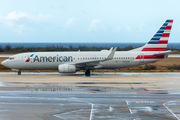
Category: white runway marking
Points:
column 91, row 112
column 173, row 55
column 130, row 111
column 127, row 103
column 110, row 109
column 149, row 108
column 170, row 110
column 75, row 99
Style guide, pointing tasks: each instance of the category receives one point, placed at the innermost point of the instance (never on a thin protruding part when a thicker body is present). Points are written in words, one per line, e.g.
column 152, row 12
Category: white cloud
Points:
column 95, row 25
column 141, row 27
column 117, row 28
column 40, row 16
column 128, row 28
column 15, row 16
column 20, row 21
column 70, row 21
column 179, row 27
column 21, row 29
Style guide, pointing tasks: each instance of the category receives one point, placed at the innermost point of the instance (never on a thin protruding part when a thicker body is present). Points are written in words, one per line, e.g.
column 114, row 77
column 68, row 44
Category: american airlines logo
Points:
column 29, row 57
column 53, row 59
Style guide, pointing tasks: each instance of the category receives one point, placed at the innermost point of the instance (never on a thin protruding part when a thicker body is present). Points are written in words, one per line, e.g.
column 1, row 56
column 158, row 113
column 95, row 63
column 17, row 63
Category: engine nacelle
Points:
column 65, row 68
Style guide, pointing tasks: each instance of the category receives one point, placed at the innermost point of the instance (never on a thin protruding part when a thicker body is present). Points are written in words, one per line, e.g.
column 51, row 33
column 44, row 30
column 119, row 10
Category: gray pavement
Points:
column 90, row 98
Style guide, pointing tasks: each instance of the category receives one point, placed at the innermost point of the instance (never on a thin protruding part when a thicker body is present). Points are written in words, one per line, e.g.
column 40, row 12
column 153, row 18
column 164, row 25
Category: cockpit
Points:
column 11, row 58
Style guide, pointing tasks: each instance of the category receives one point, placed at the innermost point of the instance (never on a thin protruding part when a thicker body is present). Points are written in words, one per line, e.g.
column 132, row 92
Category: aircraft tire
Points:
column 87, row 73
column 19, row 72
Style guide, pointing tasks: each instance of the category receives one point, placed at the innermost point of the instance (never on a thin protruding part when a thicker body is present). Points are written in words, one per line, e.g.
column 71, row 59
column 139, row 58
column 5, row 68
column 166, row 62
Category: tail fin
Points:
column 160, row 40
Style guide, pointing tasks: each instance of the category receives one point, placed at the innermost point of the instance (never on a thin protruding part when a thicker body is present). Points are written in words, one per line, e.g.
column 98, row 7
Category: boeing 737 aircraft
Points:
column 71, row 62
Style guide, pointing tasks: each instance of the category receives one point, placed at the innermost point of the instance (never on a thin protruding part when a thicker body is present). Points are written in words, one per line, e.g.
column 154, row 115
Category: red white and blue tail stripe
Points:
column 160, row 40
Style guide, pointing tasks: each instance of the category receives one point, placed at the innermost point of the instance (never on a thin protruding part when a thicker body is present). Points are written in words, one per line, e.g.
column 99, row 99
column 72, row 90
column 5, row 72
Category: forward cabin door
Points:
column 31, row 59
column 142, row 58
column 23, row 58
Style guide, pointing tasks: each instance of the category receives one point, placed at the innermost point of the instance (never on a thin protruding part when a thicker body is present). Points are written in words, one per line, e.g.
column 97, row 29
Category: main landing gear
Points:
column 19, row 72
column 88, row 72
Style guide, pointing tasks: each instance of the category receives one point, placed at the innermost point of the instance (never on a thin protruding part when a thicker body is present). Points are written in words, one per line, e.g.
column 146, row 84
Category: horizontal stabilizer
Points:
column 165, row 52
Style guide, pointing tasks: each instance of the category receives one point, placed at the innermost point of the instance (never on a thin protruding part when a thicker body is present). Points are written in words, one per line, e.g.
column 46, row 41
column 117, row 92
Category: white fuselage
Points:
column 51, row 60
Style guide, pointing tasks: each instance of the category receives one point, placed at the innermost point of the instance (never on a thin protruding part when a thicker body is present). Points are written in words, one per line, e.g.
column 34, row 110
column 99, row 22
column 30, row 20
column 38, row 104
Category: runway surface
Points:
column 120, row 96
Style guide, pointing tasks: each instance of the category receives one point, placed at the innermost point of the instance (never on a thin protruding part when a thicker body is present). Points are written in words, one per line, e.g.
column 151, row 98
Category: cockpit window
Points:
column 11, row 58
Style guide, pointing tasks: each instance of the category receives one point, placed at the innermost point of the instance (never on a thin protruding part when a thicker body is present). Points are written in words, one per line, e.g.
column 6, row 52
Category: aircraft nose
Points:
column 4, row 63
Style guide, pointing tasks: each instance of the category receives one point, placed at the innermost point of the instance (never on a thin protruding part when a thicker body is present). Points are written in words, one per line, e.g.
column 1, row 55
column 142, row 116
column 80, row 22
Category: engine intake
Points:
column 65, row 68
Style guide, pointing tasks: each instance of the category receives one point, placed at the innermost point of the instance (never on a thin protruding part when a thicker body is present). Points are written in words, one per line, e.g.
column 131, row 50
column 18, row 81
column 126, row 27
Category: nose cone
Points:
column 4, row 63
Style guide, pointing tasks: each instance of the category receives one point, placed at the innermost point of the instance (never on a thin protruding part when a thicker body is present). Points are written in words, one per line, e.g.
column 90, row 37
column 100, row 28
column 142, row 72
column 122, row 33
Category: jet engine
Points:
column 65, row 68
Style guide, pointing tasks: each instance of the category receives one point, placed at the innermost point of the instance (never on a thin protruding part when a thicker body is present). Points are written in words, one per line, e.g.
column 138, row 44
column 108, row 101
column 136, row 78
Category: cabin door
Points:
column 142, row 58
column 23, row 59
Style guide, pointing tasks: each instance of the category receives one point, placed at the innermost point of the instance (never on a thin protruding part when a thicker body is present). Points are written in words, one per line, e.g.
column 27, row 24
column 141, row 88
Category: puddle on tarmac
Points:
column 1, row 84
column 86, row 87
column 111, row 83
column 167, row 75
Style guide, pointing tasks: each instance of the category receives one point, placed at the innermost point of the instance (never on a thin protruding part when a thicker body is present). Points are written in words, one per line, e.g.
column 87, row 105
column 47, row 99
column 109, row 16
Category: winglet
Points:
column 111, row 49
column 111, row 55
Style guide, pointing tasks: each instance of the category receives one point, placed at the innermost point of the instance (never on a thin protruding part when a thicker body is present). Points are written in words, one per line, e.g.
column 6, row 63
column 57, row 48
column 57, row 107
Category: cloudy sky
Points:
column 86, row 20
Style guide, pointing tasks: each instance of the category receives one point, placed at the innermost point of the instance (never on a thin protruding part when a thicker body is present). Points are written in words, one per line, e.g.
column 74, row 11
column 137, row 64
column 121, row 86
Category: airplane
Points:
column 71, row 62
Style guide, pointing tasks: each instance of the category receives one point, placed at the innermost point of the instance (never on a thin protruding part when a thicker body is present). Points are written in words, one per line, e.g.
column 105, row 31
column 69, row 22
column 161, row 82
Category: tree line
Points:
column 8, row 48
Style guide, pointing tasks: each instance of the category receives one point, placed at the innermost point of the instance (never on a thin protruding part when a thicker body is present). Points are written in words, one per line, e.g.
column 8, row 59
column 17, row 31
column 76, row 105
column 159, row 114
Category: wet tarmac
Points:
column 156, row 97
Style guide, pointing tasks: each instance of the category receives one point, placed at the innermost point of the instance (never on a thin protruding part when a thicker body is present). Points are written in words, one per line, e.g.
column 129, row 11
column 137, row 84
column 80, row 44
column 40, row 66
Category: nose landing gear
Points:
column 19, row 72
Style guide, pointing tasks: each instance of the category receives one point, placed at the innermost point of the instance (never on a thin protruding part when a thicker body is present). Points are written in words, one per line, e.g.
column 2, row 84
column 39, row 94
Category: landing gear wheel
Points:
column 87, row 73
column 19, row 72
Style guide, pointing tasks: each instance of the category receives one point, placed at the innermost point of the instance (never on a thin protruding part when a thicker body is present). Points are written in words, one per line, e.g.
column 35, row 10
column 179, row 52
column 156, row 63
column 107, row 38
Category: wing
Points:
column 96, row 62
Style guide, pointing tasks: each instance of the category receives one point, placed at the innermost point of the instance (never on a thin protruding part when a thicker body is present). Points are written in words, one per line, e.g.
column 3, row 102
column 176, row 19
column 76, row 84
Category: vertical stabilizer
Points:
column 160, row 40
